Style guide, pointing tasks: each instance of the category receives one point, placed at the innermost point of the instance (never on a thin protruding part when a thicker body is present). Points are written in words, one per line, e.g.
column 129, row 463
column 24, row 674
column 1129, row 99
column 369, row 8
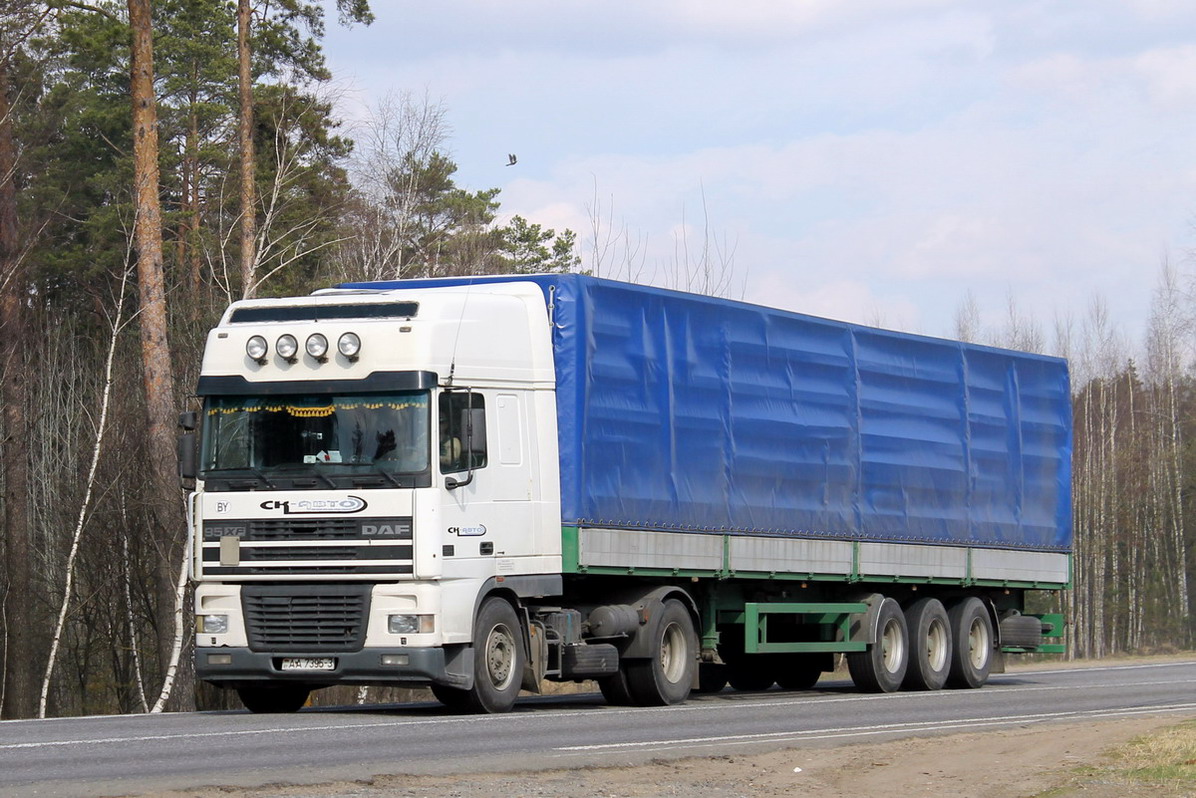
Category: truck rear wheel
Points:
column 881, row 668
column 930, row 645
column 275, row 699
column 750, row 674
column 497, row 659
column 972, row 653
column 712, row 677
column 667, row 676
column 615, row 690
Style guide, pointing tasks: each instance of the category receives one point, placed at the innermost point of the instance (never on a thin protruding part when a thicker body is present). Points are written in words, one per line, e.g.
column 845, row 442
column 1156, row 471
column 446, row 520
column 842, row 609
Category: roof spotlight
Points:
column 286, row 346
column 256, row 347
column 349, row 345
column 317, row 346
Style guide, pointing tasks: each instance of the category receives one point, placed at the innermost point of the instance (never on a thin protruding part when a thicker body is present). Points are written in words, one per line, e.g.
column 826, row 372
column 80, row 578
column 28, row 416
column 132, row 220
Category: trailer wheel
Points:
column 930, row 645
column 882, row 667
column 972, row 653
column 274, row 700
column 497, row 659
column 668, row 674
column 797, row 671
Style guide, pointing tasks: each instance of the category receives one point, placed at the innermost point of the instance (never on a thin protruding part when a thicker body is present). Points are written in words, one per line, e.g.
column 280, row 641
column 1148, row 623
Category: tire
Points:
column 667, row 676
column 615, row 690
column 454, row 698
column 797, row 671
column 881, row 668
column 1021, row 631
column 930, row 645
column 274, row 700
column 712, row 677
column 498, row 659
column 972, row 651
column 750, row 674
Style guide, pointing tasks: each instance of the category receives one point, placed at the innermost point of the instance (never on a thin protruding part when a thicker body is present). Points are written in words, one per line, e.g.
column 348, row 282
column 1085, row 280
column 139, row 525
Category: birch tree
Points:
column 84, row 506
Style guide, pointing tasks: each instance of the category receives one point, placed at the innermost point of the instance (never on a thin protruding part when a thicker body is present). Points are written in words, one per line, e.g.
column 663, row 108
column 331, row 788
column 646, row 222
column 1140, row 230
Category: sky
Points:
column 875, row 161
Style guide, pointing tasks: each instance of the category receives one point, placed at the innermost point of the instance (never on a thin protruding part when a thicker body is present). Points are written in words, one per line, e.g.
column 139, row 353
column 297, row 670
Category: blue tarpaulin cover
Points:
column 684, row 412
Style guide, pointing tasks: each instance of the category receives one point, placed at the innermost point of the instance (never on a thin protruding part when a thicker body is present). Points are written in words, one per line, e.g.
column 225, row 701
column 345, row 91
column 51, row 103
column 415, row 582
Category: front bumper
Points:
column 450, row 665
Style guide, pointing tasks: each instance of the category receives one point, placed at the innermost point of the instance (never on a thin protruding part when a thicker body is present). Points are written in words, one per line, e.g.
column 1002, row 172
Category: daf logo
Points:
column 348, row 504
column 382, row 530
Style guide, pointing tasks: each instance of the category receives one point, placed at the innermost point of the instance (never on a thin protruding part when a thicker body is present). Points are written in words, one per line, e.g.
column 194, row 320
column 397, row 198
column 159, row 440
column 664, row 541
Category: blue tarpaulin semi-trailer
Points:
column 678, row 412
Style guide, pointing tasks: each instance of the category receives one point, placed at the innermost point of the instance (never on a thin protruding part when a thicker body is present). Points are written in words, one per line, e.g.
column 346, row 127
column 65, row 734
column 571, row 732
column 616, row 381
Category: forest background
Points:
column 158, row 161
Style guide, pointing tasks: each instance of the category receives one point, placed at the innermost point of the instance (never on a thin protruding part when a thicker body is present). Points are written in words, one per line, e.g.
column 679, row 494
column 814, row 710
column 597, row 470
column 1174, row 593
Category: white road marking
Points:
column 994, row 691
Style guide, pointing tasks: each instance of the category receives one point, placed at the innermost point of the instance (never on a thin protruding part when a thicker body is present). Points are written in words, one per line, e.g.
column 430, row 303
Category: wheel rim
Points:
column 500, row 656
column 892, row 647
column 978, row 643
column 937, row 649
column 672, row 653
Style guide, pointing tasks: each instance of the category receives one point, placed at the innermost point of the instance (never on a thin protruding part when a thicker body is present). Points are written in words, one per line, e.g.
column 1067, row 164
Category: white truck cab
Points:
column 367, row 466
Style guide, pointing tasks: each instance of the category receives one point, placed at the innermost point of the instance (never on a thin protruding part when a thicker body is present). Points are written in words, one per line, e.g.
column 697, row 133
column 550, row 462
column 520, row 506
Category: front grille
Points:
column 260, row 529
column 283, row 554
column 277, row 546
column 305, row 618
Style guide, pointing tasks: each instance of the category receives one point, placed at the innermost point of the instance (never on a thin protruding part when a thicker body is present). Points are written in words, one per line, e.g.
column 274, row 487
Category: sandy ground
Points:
column 1012, row 763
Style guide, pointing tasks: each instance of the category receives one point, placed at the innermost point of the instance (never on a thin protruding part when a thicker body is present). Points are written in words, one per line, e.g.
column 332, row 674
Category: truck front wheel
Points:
column 668, row 674
column 274, row 700
column 497, row 660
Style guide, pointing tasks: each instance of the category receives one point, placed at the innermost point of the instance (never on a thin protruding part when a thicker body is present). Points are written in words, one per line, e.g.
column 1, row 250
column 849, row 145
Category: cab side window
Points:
column 462, row 440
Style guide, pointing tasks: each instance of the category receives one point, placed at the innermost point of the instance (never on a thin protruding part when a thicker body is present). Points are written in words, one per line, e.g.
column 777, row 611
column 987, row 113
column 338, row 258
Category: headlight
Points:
column 211, row 624
column 317, row 346
column 410, row 624
column 256, row 347
column 286, row 346
column 349, row 345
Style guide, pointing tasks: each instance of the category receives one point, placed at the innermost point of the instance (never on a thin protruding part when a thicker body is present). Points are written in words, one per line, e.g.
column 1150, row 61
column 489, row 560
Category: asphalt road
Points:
column 137, row 754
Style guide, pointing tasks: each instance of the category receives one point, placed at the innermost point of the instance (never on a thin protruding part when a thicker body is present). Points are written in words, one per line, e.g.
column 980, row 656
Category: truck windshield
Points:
column 327, row 437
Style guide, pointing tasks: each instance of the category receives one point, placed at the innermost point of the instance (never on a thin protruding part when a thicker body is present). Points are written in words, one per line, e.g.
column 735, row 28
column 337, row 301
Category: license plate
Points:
column 308, row 664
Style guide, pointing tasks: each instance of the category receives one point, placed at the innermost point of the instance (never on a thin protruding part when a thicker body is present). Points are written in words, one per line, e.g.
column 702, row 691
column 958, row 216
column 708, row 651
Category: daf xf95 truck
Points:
column 477, row 484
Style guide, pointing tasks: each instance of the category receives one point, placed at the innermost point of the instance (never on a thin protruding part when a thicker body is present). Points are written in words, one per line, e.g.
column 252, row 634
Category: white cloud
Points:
column 858, row 157
column 1170, row 75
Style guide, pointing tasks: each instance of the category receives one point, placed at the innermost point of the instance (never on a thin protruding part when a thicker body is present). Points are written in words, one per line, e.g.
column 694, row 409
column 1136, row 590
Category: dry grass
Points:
column 1166, row 758
column 1158, row 765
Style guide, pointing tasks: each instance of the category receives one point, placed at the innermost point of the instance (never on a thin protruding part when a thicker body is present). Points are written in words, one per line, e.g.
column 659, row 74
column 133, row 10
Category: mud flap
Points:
column 535, row 664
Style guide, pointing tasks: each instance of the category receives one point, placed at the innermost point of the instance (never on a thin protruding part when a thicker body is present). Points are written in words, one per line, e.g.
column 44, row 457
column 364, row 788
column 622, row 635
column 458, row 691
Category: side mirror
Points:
column 187, row 451
column 473, row 447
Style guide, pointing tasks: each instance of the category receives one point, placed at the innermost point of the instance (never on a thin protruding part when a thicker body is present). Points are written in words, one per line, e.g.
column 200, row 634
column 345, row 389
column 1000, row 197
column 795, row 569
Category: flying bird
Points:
column 511, row 159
